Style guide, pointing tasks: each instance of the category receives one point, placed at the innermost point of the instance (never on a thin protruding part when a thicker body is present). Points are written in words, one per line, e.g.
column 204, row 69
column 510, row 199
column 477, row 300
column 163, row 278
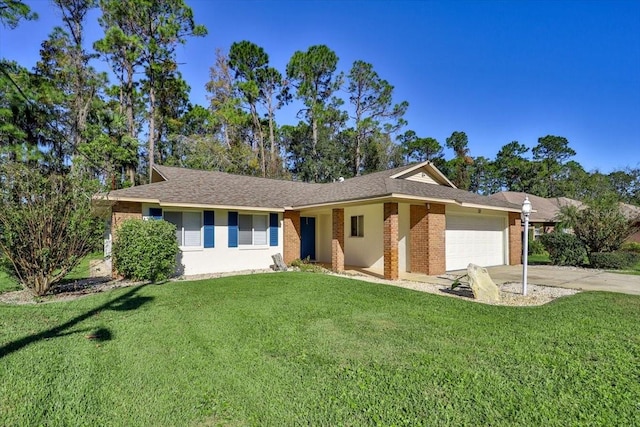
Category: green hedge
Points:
column 619, row 260
column 631, row 247
column 535, row 247
column 145, row 250
column 564, row 248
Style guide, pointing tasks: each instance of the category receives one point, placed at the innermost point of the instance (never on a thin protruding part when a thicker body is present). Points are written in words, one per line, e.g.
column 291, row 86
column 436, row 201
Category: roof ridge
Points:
column 205, row 171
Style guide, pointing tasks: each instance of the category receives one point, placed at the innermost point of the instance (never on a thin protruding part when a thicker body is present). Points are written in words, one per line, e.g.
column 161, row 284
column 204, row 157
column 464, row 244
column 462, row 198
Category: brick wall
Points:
column 291, row 230
column 515, row 239
column 337, row 240
column 437, row 223
column 391, row 241
column 418, row 239
column 122, row 211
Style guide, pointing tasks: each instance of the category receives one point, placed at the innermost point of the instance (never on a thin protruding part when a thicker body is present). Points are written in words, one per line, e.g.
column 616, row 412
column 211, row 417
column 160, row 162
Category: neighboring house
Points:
column 546, row 211
column 632, row 212
column 409, row 219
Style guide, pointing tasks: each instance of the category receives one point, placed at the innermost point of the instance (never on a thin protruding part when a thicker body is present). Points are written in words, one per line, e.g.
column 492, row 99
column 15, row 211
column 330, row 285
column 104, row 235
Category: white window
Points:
column 252, row 230
column 188, row 227
column 357, row 226
column 537, row 232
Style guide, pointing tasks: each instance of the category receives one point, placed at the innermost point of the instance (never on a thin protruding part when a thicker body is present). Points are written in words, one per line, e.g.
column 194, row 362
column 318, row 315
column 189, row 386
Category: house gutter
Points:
column 401, row 197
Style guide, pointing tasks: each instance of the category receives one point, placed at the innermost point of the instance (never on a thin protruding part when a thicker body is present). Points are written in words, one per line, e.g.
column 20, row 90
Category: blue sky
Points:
column 498, row 70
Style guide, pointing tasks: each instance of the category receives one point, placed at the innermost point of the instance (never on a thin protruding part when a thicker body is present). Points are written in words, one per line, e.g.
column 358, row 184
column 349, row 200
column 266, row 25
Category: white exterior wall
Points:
column 422, row 176
column 365, row 251
column 221, row 258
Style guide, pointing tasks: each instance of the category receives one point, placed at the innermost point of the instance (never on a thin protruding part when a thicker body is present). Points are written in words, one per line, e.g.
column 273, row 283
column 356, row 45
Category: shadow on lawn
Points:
column 125, row 302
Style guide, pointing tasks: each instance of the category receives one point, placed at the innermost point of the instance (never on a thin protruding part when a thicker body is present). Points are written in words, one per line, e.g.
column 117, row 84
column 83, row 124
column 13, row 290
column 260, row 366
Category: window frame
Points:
column 266, row 231
column 182, row 228
column 356, row 228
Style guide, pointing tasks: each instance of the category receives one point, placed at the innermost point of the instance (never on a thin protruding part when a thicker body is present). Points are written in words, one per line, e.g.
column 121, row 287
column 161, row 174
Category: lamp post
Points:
column 526, row 211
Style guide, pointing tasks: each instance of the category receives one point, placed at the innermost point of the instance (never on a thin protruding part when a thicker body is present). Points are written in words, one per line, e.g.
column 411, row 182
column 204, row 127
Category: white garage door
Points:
column 476, row 239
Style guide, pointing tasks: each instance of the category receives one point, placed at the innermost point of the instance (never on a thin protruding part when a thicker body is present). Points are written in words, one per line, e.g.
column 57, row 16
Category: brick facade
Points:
column 418, row 239
column 122, row 211
column 391, row 241
column 427, row 239
column 292, row 236
column 436, row 254
column 337, row 240
column 515, row 239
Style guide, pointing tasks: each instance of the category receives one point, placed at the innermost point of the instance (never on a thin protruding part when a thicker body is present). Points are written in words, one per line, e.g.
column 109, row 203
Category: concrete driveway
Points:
column 568, row 277
column 544, row 275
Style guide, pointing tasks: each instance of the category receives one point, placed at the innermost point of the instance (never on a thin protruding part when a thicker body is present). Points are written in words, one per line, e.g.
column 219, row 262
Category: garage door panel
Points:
column 474, row 239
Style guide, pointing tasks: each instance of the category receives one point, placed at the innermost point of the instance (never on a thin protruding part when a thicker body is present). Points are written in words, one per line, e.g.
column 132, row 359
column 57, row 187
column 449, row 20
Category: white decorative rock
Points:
column 481, row 285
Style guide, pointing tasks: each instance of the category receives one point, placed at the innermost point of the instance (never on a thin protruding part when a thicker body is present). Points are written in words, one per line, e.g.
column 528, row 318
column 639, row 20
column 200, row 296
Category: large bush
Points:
column 619, row 260
column 600, row 226
column 145, row 250
column 46, row 224
column 564, row 248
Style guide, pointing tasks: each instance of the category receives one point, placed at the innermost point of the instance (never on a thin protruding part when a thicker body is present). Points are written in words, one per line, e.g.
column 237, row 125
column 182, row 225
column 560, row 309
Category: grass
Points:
column 539, row 259
column 81, row 271
column 8, row 283
column 311, row 349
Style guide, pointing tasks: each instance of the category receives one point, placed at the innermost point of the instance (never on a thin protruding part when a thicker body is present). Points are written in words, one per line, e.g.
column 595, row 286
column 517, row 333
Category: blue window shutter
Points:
column 156, row 213
column 209, row 229
column 233, row 229
column 273, row 229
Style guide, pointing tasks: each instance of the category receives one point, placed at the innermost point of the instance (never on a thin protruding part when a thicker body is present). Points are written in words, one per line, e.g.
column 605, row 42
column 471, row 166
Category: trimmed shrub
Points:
column 619, row 260
column 145, row 250
column 536, row 247
column 307, row 266
column 631, row 247
column 564, row 248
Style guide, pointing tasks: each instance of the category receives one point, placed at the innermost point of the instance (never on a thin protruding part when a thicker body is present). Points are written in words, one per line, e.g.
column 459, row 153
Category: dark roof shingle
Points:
column 196, row 187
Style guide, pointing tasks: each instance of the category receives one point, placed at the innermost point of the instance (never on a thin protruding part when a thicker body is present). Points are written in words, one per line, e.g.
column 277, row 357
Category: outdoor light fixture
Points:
column 526, row 211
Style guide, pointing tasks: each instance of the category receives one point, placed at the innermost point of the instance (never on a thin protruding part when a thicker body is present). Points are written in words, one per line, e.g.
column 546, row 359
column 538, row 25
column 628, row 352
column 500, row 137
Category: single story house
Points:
column 408, row 219
column 545, row 215
column 545, row 211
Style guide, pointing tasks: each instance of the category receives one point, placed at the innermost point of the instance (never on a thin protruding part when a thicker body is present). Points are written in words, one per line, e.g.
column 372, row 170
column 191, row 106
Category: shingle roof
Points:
column 547, row 209
column 544, row 209
column 196, row 187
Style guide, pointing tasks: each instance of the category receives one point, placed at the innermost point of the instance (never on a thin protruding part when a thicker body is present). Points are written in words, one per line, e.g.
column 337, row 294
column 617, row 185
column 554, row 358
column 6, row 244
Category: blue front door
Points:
column 307, row 238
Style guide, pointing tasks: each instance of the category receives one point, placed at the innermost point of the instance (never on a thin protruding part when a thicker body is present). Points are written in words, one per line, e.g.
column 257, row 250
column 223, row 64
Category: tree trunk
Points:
column 314, row 144
column 152, row 126
column 260, row 134
column 359, row 136
column 131, row 171
column 272, row 142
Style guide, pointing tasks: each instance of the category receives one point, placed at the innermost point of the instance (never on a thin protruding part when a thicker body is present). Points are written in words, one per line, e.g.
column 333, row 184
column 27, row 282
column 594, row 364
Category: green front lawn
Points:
column 81, row 271
column 539, row 259
column 311, row 349
column 8, row 283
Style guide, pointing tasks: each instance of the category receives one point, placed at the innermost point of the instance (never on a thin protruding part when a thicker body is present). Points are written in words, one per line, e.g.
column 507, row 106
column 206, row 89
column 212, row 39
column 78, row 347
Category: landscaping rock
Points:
column 278, row 263
column 481, row 285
